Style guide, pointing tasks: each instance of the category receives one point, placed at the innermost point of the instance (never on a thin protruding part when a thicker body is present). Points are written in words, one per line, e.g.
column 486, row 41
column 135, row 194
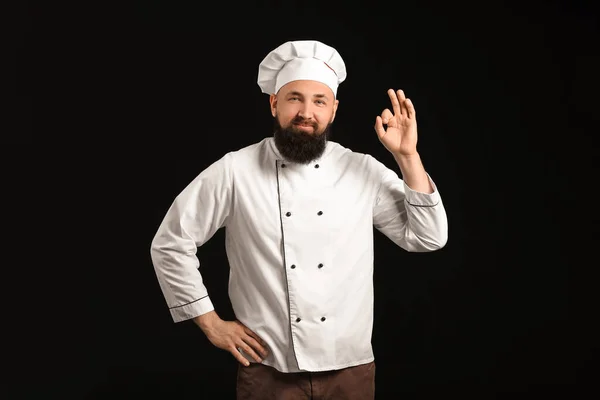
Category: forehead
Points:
column 307, row 88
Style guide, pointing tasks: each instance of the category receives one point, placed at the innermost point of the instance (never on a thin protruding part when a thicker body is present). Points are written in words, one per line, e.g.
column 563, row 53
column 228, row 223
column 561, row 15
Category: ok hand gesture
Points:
column 400, row 137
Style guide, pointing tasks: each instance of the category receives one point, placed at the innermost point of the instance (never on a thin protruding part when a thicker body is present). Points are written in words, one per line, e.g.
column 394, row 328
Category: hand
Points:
column 400, row 137
column 229, row 335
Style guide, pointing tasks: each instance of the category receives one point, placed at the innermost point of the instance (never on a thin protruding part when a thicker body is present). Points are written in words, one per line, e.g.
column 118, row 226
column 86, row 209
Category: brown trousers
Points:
column 262, row 382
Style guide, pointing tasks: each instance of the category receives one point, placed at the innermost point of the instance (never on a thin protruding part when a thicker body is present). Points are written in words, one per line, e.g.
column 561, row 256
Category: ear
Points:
column 335, row 106
column 273, row 103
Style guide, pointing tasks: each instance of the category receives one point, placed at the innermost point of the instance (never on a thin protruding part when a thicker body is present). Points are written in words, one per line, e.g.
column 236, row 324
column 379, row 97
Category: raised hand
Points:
column 400, row 136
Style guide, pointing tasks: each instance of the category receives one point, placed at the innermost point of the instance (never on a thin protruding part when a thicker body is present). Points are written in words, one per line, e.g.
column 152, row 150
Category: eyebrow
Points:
column 318, row 95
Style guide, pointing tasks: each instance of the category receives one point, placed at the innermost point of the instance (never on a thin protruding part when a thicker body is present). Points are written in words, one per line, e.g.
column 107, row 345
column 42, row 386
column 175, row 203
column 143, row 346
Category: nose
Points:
column 306, row 111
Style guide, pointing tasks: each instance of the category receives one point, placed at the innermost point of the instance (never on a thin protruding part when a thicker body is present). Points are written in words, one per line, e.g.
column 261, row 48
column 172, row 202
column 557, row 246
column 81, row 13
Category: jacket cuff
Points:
column 192, row 309
column 420, row 199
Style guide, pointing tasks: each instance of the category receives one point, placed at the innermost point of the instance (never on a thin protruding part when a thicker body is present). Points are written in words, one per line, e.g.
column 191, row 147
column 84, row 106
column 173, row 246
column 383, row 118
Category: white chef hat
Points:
column 302, row 59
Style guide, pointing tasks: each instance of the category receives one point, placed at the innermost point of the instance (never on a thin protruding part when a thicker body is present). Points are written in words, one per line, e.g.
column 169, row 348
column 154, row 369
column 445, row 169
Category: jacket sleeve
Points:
column 415, row 221
column 195, row 215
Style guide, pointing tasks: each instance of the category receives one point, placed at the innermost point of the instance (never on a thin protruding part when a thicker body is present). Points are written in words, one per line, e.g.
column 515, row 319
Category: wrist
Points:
column 407, row 158
column 207, row 320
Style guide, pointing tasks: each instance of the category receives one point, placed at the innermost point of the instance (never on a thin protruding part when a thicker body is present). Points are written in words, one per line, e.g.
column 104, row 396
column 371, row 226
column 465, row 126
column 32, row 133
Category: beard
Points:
column 298, row 146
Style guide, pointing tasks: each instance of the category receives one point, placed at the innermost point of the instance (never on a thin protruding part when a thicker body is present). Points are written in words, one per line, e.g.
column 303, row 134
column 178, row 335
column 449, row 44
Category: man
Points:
column 298, row 212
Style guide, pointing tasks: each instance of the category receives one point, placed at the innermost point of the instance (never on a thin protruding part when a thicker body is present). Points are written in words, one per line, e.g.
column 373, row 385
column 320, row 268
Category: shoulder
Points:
column 240, row 157
column 247, row 162
column 224, row 165
column 249, row 152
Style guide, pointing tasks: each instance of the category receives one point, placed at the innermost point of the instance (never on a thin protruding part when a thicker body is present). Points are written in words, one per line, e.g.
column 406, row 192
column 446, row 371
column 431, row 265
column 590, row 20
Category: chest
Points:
column 315, row 203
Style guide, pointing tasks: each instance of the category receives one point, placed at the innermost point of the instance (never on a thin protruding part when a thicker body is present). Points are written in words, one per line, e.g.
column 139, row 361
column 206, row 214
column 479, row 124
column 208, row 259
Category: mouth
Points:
column 305, row 127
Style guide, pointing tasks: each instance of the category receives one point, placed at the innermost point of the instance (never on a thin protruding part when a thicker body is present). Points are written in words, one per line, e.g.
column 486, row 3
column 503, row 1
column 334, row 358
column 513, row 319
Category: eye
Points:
column 294, row 98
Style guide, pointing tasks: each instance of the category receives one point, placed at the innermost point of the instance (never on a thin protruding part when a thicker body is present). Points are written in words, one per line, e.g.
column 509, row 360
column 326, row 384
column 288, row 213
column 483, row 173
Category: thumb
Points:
column 379, row 127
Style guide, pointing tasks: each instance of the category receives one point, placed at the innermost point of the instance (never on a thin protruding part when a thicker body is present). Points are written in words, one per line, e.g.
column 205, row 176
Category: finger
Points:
column 256, row 345
column 379, row 127
column 249, row 350
column 238, row 356
column 256, row 348
column 255, row 336
column 395, row 103
column 386, row 115
column 402, row 100
column 257, row 342
column 412, row 114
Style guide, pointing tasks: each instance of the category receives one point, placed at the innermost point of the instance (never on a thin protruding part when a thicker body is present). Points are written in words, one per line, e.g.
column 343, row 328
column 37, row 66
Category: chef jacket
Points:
column 299, row 243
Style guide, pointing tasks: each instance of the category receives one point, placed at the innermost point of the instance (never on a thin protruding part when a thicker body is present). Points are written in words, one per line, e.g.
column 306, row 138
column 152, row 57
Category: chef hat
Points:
column 303, row 59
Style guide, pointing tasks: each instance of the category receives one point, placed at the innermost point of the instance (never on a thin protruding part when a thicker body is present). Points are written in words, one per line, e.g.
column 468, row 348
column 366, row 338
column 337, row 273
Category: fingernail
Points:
column 246, row 363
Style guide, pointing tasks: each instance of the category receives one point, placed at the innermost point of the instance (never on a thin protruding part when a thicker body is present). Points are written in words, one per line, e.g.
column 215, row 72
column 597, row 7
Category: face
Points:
column 303, row 112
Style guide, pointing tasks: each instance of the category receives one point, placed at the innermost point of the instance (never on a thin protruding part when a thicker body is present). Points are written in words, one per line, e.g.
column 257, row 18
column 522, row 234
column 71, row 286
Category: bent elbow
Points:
column 440, row 242
column 157, row 247
column 431, row 243
column 437, row 238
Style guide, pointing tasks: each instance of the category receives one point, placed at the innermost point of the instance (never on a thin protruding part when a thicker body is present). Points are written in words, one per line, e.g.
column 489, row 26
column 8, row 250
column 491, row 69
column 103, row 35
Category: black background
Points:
column 153, row 92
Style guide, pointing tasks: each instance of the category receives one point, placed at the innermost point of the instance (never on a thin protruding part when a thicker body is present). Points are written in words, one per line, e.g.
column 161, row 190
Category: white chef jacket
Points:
column 299, row 242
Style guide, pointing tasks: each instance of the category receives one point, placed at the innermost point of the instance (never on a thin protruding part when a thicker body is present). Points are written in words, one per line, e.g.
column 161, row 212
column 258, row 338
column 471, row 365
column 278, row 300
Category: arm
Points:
column 414, row 173
column 195, row 215
column 410, row 212
column 203, row 207
column 414, row 220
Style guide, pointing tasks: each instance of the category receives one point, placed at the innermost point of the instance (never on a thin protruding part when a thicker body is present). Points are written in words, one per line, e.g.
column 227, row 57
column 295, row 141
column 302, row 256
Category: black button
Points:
column 316, row 165
column 298, row 319
column 320, row 265
column 288, row 213
column 293, row 266
column 320, row 213
column 322, row 318
column 282, row 165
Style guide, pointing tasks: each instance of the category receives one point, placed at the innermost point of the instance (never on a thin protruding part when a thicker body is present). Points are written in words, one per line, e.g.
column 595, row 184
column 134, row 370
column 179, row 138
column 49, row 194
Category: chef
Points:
column 298, row 211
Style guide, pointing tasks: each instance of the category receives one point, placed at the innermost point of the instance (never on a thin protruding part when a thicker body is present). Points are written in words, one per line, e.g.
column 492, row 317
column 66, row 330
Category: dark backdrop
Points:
column 504, row 94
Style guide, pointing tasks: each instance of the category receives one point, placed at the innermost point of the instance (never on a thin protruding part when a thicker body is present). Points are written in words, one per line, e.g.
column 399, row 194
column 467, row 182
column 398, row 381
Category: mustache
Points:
column 304, row 121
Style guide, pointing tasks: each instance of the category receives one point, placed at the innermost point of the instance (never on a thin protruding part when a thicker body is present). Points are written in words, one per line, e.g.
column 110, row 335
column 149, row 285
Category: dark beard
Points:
column 298, row 146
